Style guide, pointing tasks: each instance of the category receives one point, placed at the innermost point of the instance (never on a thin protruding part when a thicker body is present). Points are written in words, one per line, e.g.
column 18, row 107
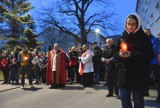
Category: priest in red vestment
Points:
column 56, row 68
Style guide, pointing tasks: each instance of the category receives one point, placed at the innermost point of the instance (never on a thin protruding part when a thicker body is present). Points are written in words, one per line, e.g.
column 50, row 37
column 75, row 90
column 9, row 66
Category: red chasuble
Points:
column 60, row 68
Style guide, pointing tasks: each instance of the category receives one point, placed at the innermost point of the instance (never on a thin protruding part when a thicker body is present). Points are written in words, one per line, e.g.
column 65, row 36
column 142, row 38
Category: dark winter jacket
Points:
column 108, row 53
column 134, row 71
column 14, row 67
column 97, row 55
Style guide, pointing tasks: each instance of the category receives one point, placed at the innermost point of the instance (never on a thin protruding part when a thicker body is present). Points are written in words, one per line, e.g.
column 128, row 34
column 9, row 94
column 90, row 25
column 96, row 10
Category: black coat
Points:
column 134, row 71
column 97, row 55
column 108, row 53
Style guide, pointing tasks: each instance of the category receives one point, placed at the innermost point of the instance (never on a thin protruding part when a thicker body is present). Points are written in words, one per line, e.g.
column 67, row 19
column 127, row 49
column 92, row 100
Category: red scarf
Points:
column 81, row 64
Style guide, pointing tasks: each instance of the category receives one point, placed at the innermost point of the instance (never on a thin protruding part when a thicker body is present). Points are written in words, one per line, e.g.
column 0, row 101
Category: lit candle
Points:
column 25, row 58
column 124, row 46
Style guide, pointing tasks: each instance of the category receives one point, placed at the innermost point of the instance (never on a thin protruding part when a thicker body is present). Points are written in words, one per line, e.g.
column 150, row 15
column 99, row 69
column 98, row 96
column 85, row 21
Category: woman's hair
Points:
column 133, row 17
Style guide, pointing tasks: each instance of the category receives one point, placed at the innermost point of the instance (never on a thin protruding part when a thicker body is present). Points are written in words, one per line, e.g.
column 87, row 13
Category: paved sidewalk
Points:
column 6, row 87
column 149, row 101
column 97, row 92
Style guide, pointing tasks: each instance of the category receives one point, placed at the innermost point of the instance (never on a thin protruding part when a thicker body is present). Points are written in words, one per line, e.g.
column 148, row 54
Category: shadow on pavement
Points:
column 9, row 89
column 80, row 87
column 98, row 87
column 72, row 87
column 31, row 89
column 152, row 103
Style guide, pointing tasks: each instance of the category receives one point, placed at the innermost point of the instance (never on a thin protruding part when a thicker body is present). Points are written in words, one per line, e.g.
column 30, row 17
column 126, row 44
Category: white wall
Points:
column 150, row 14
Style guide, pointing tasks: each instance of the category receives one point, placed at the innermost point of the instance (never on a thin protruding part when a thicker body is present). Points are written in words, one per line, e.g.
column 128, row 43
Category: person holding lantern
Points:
column 134, row 53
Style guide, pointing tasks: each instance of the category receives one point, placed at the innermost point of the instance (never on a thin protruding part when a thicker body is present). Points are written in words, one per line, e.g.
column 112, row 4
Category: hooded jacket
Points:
column 134, row 71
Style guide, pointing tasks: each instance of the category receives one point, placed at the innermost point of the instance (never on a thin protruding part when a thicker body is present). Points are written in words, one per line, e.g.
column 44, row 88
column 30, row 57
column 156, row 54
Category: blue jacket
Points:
column 155, row 44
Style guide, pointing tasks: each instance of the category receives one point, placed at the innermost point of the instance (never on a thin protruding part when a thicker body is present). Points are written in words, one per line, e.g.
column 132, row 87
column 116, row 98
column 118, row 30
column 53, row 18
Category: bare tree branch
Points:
column 78, row 17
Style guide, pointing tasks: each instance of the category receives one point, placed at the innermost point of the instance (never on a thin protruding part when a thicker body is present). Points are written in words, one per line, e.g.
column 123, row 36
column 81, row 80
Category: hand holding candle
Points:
column 124, row 46
column 124, row 53
column 25, row 58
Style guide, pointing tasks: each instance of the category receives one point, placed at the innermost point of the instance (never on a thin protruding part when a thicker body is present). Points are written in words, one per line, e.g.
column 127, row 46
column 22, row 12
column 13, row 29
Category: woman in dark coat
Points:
column 134, row 53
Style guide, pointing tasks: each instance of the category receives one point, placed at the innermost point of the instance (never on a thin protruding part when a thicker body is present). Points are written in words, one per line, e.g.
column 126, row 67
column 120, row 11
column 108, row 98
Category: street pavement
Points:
column 71, row 96
column 7, row 87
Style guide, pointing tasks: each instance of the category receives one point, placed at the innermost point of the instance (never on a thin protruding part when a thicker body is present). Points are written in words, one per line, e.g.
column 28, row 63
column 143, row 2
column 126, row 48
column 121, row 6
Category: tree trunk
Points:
column 83, row 36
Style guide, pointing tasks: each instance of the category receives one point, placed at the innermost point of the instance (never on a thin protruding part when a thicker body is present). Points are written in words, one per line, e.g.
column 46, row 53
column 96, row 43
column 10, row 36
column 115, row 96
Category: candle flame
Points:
column 124, row 46
column 25, row 58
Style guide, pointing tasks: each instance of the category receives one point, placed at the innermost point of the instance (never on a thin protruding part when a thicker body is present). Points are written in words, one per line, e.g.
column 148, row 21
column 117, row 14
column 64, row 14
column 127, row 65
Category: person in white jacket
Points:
column 86, row 66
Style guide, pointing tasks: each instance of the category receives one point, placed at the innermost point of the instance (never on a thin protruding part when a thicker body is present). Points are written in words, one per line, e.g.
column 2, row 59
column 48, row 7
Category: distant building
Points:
column 149, row 10
column 96, row 37
column 52, row 35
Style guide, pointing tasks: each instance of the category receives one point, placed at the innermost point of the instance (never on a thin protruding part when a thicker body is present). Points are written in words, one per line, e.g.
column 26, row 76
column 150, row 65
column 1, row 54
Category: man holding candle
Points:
column 25, row 65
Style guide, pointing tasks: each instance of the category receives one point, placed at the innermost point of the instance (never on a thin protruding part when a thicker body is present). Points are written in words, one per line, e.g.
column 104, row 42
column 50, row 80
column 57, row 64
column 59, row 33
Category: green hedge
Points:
column 1, row 76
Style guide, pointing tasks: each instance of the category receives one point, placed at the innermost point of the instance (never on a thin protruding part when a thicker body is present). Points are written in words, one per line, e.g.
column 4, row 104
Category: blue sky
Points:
column 123, row 9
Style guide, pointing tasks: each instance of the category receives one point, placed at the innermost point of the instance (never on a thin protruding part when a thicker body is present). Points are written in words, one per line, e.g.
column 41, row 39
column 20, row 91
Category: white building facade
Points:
column 149, row 11
column 50, row 36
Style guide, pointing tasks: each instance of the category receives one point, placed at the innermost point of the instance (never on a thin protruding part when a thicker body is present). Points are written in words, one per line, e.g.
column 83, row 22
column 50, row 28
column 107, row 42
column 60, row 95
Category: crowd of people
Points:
column 125, row 67
column 20, row 64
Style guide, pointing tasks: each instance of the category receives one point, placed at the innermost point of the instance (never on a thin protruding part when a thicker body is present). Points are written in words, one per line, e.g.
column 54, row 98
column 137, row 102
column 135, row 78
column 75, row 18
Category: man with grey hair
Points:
column 56, row 68
column 109, row 63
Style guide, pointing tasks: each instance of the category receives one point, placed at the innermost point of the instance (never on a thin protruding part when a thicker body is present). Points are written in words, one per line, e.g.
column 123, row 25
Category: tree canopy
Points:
column 78, row 17
column 16, row 23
